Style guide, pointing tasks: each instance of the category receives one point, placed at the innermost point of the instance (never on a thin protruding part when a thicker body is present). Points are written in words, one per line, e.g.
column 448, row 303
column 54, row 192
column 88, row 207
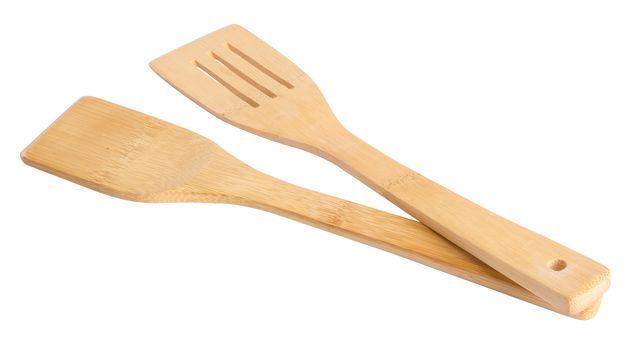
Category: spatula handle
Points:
column 561, row 276
column 389, row 232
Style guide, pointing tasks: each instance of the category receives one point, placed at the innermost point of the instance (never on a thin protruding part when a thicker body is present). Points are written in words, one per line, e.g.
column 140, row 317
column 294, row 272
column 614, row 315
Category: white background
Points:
column 532, row 109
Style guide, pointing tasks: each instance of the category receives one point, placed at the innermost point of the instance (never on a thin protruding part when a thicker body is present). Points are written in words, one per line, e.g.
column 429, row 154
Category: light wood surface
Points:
column 126, row 154
column 242, row 80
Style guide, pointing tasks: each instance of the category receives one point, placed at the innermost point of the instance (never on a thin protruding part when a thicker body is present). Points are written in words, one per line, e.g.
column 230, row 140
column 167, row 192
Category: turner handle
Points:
column 389, row 232
column 566, row 279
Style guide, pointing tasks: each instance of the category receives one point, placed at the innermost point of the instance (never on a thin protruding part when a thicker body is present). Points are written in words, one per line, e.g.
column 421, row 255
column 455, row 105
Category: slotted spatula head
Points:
column 127, row 154
column 242, row 80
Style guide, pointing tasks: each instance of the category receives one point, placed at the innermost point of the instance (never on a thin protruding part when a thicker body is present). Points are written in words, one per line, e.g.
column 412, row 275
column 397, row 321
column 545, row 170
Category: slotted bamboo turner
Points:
column 127, row 154
column 242, row 80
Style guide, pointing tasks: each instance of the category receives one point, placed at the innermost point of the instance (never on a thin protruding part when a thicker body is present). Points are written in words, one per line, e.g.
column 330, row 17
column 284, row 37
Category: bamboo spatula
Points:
column 242, row 80
column 127, row 154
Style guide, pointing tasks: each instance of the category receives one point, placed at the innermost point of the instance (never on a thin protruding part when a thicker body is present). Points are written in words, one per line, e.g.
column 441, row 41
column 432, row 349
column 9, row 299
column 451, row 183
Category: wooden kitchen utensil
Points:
column 242, row 80
column 126, row 154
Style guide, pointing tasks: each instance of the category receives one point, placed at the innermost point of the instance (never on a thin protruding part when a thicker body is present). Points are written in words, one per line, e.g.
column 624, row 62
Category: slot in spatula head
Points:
column 242, row 80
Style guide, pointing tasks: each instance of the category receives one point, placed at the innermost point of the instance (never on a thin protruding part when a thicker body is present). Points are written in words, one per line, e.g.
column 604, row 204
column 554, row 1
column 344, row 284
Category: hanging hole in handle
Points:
column 557, row 264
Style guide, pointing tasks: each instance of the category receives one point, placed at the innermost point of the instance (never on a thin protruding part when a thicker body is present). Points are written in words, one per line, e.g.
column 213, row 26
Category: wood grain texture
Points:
column 126, row 154
column 243, row 81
